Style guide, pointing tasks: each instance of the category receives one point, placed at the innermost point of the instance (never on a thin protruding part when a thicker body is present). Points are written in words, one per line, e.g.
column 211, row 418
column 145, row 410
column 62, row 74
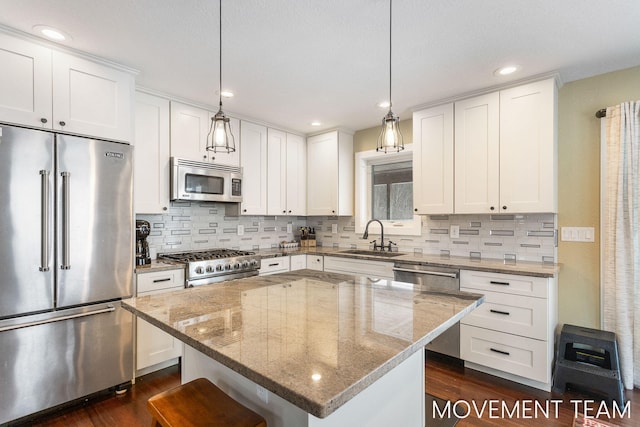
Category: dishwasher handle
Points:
column 427, row 272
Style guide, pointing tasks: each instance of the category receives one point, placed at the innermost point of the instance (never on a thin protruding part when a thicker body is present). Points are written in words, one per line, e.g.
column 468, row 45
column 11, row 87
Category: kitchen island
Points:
column 310, row 348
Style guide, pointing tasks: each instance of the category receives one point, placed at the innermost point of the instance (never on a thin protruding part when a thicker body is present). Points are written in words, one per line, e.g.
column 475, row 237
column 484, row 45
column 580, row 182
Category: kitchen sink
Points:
column 371, row 253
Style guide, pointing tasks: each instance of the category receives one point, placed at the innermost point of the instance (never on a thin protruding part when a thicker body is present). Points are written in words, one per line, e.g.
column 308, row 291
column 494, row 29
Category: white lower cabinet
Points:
column 372, row 269
column 155, row 349
column 298, row 262
column 512, row 333
column 315, row 262
column 274, row 265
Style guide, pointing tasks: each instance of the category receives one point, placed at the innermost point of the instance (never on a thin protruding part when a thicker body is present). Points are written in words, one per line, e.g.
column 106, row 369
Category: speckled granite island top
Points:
column 279, row 330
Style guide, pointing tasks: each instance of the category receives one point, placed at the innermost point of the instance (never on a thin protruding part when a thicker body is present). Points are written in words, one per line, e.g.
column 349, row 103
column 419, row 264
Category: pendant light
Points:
column 220, row 139
column 390, row 138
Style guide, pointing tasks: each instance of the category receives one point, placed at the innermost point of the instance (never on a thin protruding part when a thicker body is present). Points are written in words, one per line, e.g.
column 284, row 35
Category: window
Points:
column 384, row 191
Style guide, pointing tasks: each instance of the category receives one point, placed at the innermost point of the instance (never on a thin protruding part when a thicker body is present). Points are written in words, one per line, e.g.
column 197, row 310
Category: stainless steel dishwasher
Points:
column 434, row 279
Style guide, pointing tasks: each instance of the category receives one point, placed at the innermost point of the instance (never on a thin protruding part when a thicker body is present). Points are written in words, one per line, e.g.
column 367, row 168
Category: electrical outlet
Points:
column 263, row 394
column 289, row 228
column 455, row 231
column 240, row 230
column 334, row 228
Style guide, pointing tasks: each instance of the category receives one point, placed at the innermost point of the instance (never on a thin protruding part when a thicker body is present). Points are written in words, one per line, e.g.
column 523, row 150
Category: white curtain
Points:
column 619, row 235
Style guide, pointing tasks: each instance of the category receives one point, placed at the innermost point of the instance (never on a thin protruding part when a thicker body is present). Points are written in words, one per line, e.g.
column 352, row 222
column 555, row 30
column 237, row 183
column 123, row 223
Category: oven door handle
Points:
column 427, row 272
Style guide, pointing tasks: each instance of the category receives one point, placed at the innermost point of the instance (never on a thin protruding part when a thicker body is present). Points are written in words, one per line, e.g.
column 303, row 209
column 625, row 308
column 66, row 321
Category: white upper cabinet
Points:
column 276, row 172
column 296, row 175
column 477, row 154
column 55, row 90
column 433, row 160
column 330, row 174
column 151, row 154
column 528, row 148
column 91, row 99
column 189, row 129
column 505, row 153
column 25, row 82
column 253, row 159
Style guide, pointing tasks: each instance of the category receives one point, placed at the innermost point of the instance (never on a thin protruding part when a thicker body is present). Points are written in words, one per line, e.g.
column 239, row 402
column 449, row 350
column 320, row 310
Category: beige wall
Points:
column 578, row 184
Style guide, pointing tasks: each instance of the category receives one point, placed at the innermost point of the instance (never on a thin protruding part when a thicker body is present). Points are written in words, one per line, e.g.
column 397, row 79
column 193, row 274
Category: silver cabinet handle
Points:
column 429, row 272
column 107, row 309
column 44, row 220
column 65, row 220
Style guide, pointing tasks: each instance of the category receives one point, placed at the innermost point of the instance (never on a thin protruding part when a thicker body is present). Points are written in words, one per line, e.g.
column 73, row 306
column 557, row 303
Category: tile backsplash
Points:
column 193, row 226
column 200, row 225
column 524, row 237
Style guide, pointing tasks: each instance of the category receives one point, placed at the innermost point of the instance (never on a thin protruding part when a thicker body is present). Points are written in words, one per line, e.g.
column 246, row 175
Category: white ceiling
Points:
column 293, row 61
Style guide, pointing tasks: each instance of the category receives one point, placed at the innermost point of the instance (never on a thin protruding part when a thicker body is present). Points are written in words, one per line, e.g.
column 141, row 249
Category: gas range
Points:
column 215, row 265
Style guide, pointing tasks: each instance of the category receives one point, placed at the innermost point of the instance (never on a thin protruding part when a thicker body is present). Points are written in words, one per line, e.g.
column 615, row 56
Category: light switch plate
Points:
column 240, row 230
column 289, row 228
column 334, row 228
column 577, row 234
column 455, row 231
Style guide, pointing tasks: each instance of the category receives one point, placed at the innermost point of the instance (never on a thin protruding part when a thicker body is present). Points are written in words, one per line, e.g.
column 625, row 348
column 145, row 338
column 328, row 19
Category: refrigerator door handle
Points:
column 65, row 220
column 108, row 309
column 44, row 220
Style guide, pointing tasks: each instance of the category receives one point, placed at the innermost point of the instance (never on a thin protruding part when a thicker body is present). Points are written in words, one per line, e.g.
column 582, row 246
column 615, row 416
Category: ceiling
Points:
column 290, row 62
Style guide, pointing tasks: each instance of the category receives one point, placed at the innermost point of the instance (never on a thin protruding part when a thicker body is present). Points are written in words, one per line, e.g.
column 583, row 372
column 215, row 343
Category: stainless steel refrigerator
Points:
column 66, row 259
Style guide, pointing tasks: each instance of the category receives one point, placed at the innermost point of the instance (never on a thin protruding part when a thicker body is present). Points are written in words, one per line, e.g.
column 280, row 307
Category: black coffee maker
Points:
column 143, row 228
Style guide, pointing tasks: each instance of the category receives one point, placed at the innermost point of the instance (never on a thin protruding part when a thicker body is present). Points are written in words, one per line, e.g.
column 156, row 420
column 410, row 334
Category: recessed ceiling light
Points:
column 315, row 123
column 505, row 71
column 51, row 33
column 384, row 104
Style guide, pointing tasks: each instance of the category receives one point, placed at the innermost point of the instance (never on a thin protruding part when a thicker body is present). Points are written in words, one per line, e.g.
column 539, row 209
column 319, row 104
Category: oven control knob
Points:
column 219, row 267
column 254, row 262
column 199, row 270
column 209, row 268
column 227, row 266
column 245, row 264
column 236, row 266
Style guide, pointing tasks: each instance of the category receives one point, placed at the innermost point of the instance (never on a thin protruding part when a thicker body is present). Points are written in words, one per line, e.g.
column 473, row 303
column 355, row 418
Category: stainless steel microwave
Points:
column 206, row 182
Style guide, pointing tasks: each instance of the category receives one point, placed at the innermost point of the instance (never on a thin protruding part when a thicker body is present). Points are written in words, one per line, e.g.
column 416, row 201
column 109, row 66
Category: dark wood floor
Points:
column 444, row 380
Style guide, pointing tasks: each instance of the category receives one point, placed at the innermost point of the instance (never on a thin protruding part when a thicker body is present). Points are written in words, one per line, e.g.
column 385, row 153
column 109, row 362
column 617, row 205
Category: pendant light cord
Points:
column 220, row 53
column 390, row 47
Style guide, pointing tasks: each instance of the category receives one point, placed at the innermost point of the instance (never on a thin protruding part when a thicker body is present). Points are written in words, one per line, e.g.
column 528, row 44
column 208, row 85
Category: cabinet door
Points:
column 528, row 165
column 296, row 175
column 276, row 172
column 322, row 172
column 253, row 158
column 92, row 99
column 477, row 145
column 189, row 128
column 151, row 154
column 154, row 345
column 433, row 160
column 25, row 82
column 231, row 159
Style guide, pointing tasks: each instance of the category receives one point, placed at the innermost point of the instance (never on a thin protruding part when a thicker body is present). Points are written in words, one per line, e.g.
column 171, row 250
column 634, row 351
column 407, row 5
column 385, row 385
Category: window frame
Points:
column 363, row 168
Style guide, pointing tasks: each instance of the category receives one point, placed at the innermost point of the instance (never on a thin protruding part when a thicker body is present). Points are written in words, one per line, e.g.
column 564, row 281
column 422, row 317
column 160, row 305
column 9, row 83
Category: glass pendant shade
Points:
column 390, row 138
column 220, row 138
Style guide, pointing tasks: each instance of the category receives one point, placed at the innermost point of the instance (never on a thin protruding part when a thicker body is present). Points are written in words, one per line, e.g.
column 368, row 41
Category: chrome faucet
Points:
column 366, row 235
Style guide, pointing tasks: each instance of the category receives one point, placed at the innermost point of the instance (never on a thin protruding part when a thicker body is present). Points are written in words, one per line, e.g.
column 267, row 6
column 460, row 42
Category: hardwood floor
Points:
column 455, row 383
column 444, row 380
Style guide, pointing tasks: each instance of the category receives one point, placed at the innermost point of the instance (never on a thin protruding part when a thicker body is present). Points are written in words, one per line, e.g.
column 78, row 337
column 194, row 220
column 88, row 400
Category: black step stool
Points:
column 588, row 359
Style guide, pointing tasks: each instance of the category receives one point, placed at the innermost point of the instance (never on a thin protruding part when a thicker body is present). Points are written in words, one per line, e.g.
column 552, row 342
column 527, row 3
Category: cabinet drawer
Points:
column 505, row 283
column 315, row 262
column 274, row 265
column 525, row 357
column 514, row 314
column 159, row 280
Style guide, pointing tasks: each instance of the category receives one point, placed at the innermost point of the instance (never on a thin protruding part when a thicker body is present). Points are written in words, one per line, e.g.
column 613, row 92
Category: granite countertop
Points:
column 279, row 330
column 526, row 268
